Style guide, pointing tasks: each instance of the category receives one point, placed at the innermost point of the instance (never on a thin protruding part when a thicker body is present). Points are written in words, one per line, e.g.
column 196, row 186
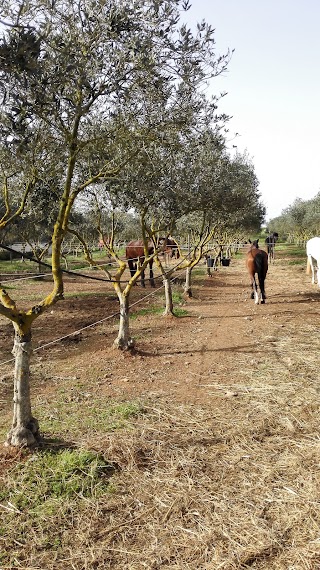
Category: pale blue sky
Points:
column 273, row 85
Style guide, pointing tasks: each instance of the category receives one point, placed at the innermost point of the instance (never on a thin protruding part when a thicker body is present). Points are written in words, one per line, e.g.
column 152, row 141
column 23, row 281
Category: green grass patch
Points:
column 88, row 294
column 48, row 478
column 121, row 252
column 44, row 496
column 291, row 250
column 16, row 266
column 62, row 417
column 297, row 262
column 147, row 311
column 198, row 272
column 180, row 312
column 177, row 297
column 291, row 254
column 46, row 491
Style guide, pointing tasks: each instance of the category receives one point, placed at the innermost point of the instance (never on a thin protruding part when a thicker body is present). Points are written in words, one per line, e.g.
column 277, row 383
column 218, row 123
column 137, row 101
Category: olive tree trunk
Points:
column 25, row 428
column 124, row 341
column 168, row 296
column 187, row 285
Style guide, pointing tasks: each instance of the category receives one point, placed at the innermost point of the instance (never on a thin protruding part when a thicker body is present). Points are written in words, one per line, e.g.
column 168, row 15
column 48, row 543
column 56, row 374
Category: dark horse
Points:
column 135, row 254
column 270, row 242
column 257, row 262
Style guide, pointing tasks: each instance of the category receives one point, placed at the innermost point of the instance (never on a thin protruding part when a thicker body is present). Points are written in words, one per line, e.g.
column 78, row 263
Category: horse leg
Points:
column 132, row 267
column 152, row 283
column 318, row 273
column 315, row 268
column 252, row 287
column 311, row 260
column 254, row 294
column 255, row 290
column 262, row 269
column 140, row 261
column 143, row 284
column 262, row 291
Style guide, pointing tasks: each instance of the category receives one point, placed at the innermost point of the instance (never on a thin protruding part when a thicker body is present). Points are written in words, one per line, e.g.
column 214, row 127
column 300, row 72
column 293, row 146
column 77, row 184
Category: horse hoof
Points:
column 263, row 302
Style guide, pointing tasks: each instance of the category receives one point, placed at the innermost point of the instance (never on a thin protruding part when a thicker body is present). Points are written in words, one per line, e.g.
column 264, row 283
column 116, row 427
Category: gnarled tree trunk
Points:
column 168, row 296
column 187, row 285
column 124, row 341
column 25, row 428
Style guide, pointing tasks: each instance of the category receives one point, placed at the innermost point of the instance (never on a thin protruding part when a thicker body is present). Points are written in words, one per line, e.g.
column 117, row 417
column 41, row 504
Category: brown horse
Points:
column 135, row 254
column 257, row 263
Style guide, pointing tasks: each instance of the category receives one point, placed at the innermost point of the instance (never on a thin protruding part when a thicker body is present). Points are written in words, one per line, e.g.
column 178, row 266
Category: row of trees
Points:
column 104, row 112
column 300, row 221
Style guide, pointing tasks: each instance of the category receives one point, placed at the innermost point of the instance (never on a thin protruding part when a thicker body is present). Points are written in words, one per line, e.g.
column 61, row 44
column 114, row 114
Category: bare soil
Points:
column 223, row 336
column 225, row 472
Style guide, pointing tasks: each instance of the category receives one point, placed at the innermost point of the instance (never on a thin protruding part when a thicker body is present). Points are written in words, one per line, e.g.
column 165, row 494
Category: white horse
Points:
column 313, row 261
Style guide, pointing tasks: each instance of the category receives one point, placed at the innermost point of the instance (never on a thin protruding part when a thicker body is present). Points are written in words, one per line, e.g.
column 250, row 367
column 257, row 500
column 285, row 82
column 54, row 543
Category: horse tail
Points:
column 308, row 265
column 261, row 269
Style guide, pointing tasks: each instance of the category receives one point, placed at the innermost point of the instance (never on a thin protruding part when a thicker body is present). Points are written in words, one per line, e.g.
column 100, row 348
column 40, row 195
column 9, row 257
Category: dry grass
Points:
column 229, row 482
column 194, row 489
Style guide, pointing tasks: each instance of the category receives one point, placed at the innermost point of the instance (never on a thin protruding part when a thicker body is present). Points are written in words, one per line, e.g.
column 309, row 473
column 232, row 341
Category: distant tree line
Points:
column 299, row 222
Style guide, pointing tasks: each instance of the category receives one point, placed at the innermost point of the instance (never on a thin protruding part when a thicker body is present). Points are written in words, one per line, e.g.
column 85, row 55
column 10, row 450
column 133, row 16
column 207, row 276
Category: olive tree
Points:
column 225, row 197
column 68, row 72
column 156, row 185
column 166, row 112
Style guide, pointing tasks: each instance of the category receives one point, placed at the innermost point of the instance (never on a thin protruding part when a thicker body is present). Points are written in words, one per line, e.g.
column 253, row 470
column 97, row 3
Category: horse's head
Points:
column 169, row 246
column 255, row 243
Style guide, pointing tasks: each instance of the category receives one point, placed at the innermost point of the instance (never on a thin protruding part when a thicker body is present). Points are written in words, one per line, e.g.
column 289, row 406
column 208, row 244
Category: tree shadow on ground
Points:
column 246, row 348
column 55, row 444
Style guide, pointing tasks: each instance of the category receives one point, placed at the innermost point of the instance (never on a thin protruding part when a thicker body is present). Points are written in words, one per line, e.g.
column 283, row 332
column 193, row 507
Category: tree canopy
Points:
column 106, row 100
column 300, row 221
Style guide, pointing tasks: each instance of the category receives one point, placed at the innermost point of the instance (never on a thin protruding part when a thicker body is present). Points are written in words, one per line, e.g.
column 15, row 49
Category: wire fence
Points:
column 78, row 331
column 75, row 273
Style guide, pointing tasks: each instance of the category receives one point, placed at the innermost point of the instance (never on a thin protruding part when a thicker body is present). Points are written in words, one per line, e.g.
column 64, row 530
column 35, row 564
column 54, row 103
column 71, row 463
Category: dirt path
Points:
column 224, row 334
column 221, row 470
column 224, row 337
column 222, row 340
